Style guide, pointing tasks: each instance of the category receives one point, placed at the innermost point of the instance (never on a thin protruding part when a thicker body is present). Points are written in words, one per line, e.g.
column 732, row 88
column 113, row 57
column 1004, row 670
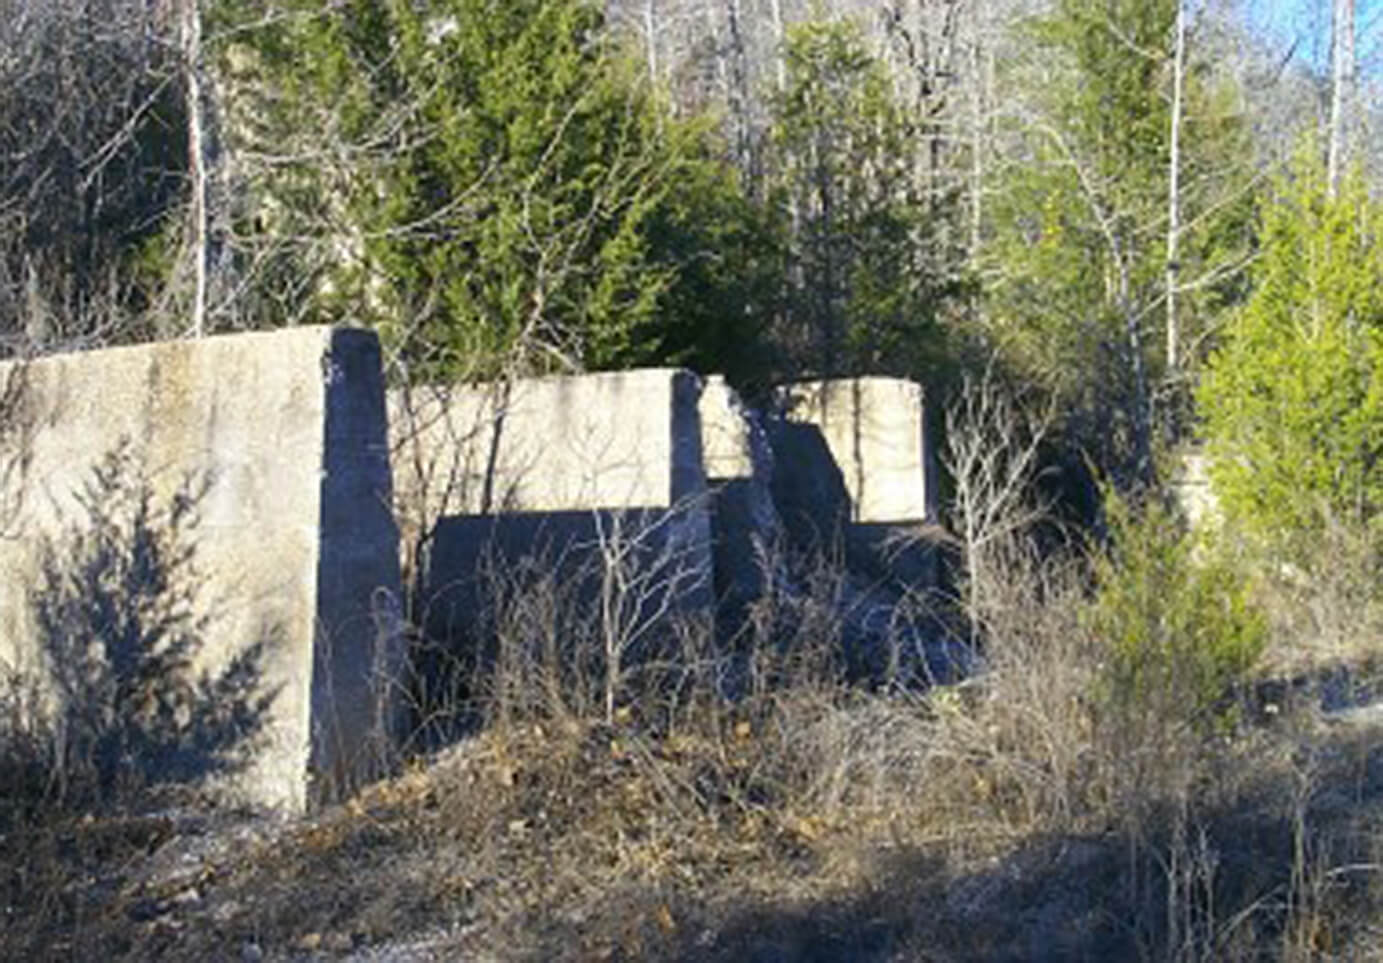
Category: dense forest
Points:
column 1105, row 235
column 1107, row 201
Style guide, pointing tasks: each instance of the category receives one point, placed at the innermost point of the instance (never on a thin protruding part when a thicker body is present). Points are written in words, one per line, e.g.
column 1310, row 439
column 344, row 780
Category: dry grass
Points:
column 1329, row 613
column 751, row 805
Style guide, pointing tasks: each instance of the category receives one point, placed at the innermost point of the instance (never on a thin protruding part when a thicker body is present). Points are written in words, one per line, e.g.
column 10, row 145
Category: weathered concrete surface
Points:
column 275, row 446
column 557, row 444
column 545, row 466
column 745, row 529
column 875, row 430
column 1193, row 492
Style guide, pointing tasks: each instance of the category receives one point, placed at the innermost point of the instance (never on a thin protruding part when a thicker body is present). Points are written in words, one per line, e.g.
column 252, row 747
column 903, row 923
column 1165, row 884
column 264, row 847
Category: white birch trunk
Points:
column 1174, row 191
column 1341, row 91
column 197, row 156
column 780, row 38
column 650, row 30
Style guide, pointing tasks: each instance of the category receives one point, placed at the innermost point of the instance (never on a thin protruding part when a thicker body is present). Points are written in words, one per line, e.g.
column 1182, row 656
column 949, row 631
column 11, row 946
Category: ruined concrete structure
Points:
column 296, row 490
column 557, row 467
column 1191, row 488
column 842, row 467
column 268, row 453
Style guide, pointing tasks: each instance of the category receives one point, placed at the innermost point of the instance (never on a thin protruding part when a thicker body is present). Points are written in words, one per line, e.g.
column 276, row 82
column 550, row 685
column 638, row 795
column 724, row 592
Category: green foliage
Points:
column 1069, row 222
column 1293, row 399
column 510, row 192
column 1075, row 252
column 726, row 258
column 93, row 163
column 863, row 296
column 1175, row 621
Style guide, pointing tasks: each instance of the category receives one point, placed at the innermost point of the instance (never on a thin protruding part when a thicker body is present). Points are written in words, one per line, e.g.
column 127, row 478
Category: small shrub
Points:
column 1177, row 625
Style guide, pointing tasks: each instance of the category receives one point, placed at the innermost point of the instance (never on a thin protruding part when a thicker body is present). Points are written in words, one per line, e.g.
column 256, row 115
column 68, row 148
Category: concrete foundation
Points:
column 567, row 468
column 745, row 528
column 237, row 489
column 540, row 467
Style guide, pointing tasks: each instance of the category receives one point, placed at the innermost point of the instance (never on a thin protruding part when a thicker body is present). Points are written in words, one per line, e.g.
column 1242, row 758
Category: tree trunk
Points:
column 650, row 30
column 977, row 92
column 196, row 161
column 737, row 92
column 1174, row 191
column 1341, row 91
column 780, row 39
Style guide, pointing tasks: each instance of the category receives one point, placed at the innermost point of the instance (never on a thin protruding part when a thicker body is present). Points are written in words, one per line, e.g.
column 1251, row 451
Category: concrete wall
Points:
column 239, row 488
column 269, row 452
column 565, row 443
column 855, row 476
column 875, row 430
column 544, row 465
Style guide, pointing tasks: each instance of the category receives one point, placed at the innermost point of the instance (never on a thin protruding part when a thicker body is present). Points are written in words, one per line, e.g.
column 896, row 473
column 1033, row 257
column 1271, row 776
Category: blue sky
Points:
column 1308, row 23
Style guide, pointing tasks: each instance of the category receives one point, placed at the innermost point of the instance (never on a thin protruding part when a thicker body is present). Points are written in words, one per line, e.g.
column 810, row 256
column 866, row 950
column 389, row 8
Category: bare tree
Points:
column 653, row 566
column 207, row 201
column 91, row 171
column 993, row 445
column 1174, row 187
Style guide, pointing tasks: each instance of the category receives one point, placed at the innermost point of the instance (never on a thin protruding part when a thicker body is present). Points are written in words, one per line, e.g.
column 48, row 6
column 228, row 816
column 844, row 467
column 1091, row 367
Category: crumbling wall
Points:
column 745, row 528
column 233, row 506
column 558, row 466
column 529, row 467
column 226, row 500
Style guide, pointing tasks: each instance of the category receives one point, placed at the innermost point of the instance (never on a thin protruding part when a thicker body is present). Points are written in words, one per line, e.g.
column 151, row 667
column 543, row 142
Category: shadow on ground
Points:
column 121, row 715
column 1289, row 865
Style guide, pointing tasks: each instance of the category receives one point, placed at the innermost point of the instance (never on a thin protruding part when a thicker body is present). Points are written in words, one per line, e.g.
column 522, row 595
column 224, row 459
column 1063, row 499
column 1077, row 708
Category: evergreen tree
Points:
column 1293, row 400
column 862, row 294
column 505, row 190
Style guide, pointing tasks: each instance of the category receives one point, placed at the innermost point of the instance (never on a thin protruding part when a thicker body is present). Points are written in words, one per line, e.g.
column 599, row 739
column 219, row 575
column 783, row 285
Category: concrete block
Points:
column 227, row 499
column 745, row 529
column 875, row 430
column 547, row 466
column 855, row 477
column 733, row 443
column 1193, row 492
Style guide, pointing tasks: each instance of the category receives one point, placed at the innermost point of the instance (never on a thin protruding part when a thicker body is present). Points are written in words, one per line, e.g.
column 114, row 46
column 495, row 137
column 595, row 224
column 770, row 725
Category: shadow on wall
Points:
column 118, row 604
column 808, row 487
column 577, row 606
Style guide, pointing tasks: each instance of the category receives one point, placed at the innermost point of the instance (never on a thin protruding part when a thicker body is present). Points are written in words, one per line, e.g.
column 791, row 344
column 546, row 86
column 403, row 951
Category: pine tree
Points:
column 863, row 295
column 504, row 189
column 1292, row 401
